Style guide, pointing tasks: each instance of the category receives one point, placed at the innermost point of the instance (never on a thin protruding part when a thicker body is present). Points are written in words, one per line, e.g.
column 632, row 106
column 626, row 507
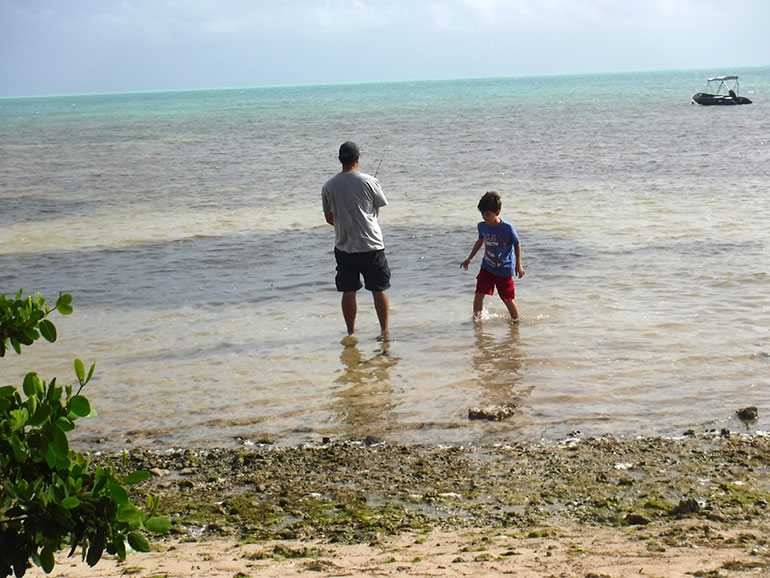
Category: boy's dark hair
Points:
column 491, row 201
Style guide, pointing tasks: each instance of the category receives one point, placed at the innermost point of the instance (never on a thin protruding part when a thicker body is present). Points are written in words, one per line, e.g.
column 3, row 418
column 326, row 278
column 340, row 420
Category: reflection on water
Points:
column 365, row 406
column 498, row 363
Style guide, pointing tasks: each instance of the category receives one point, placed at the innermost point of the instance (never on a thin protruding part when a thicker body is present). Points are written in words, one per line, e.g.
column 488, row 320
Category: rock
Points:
column 747, row 413
column 492, row 412
column 686, row 507
column 636, row 520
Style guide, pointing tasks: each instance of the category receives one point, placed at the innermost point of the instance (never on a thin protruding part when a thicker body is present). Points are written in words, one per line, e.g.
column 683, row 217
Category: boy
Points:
column 497, row 267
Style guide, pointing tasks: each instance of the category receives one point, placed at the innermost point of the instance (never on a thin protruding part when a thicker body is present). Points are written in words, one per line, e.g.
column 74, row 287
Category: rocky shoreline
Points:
column 356, row 492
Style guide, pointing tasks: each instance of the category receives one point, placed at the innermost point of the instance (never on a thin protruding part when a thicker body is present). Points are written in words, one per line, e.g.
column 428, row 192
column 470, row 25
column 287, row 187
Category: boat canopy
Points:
column 717, row 83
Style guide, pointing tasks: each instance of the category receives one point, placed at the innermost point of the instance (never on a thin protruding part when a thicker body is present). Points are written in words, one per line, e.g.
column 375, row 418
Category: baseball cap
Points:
column 349, row 152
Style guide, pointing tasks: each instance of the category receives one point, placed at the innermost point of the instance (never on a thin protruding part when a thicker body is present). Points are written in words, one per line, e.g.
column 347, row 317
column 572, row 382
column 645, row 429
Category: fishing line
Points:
column 382, row 159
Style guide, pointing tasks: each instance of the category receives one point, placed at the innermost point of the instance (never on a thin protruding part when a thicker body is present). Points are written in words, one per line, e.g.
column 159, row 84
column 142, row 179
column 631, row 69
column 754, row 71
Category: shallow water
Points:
column 188, row 227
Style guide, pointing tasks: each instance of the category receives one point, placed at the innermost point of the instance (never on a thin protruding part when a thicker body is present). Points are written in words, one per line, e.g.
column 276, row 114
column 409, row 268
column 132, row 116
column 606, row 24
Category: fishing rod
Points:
column 382, row 159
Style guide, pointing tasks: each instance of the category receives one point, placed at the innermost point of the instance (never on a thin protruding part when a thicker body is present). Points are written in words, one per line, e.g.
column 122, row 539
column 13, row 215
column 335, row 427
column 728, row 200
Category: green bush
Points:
column 50, row 496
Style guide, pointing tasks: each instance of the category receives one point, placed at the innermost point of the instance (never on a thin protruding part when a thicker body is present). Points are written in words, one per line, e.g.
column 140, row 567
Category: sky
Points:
column 92, row 46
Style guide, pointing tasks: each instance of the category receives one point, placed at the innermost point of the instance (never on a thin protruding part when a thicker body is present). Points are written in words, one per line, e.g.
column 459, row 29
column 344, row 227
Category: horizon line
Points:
column 362, row 82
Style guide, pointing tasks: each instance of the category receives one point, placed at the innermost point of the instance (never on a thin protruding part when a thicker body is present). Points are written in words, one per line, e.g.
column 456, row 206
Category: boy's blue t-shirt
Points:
column 499, row 242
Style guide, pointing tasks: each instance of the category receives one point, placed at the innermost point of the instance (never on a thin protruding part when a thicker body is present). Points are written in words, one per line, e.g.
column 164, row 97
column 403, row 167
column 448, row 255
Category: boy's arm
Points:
column 519, row 267
column 475, row 250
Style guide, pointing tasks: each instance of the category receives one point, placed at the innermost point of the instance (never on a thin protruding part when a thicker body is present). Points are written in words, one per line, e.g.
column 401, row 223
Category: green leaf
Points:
column 138, row 542
column 7, row 391
column 54, row 391
column 61, row 446
column 47, row 561
column 131, row 515
column 63, row 304
column 37, row 299
column 95, row 551
column 120, row 545
column 16, row 446
column 118, row 494
column 157, row 525
column 136, row 477
column 80, row 406
column 29, row 385
column 32, row 405
column 80, row 370
column 19, row 418
column 50, row 455
column 43, row 413
column 70, row 502
column 65, row 424
column 47, row 330
column 29, row 337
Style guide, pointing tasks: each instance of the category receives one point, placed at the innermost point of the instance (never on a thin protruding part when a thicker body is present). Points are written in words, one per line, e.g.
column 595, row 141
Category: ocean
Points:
column 188, row 228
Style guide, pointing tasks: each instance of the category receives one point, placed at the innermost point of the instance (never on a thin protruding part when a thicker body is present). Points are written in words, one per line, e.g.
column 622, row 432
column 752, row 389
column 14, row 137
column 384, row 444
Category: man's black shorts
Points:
column 372, row 265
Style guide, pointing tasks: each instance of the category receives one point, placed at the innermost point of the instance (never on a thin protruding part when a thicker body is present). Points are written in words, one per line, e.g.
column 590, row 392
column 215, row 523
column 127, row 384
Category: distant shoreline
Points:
column 530, row 76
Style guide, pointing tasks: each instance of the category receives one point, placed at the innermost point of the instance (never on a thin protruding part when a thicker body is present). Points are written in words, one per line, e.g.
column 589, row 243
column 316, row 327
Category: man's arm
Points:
column 329, row 218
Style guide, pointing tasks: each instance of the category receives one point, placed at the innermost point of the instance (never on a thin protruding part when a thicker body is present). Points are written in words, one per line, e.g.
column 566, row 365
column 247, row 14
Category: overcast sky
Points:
column 84, row 46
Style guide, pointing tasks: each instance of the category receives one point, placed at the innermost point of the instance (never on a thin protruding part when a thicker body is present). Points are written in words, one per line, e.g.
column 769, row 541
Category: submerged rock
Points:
column 492, row 412
column 747, row 413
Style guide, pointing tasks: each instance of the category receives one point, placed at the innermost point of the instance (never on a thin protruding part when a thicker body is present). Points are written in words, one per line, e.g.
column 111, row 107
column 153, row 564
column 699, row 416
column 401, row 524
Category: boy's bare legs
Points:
column 478, row 305
column 512, row 309
column 349, row 310
column 381, row 306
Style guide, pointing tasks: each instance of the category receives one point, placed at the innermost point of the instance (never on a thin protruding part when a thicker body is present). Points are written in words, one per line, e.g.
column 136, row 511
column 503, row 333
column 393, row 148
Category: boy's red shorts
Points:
column 486, row 283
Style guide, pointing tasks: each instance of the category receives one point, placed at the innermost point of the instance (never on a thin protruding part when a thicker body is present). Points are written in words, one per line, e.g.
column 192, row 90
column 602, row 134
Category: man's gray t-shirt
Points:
column 353, row 198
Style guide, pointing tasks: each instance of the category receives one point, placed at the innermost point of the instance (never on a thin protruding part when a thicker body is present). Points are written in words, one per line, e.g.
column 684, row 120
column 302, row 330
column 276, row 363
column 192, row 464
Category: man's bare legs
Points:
column 350, row 309
column 382, row 306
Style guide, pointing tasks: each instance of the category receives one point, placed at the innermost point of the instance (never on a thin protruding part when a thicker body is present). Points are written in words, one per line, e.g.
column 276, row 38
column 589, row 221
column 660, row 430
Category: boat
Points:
column 713, row 95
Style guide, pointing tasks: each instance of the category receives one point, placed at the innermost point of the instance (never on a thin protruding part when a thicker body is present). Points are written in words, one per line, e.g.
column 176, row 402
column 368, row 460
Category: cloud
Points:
column 85, row 45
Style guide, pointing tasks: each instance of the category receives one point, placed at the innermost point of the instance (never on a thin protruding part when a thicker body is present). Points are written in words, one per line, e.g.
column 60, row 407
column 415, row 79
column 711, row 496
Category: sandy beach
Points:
column 695, row 506
column 562, row 549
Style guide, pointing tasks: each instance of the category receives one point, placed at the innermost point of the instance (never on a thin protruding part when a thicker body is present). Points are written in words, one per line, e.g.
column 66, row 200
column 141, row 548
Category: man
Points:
column 351, row 203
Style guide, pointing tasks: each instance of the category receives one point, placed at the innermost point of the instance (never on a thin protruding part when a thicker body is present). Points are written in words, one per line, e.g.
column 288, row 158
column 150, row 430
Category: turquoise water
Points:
column 188, row 227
